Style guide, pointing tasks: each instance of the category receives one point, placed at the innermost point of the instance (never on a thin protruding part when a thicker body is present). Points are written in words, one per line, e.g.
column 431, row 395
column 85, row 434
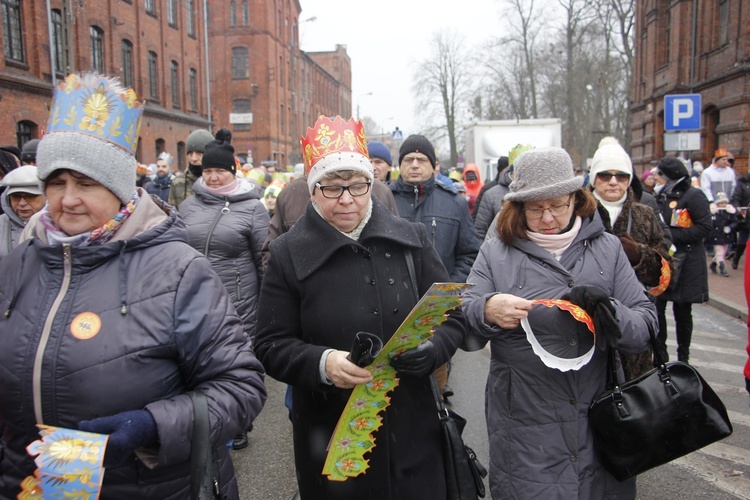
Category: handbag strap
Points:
column 203, row 484
column 412, row 274
column 612, row 364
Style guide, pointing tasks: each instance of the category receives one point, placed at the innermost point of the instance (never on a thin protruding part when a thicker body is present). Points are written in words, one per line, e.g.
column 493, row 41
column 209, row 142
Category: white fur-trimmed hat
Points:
column 337, row 162
column 610, row 156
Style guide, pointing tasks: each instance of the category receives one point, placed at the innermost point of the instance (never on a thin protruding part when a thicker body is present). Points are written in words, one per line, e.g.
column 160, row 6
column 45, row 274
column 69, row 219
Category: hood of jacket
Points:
column 8, row 210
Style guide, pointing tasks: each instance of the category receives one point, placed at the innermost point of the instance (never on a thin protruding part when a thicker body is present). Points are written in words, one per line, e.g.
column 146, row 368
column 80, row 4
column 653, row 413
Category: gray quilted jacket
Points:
column 230, row 231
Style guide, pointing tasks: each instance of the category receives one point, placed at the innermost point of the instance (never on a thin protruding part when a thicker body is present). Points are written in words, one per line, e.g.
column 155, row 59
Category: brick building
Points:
column 158, row 48
column 716, row 66
column 263, row 87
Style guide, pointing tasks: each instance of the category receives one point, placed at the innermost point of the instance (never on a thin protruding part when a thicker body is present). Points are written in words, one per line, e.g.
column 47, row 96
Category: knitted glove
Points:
column 632, row 249
column 127, row 431
column 418, row 361
column 595, row 301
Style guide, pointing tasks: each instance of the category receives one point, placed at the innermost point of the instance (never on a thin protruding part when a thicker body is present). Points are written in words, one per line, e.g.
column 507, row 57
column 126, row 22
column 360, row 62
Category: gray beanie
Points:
column 198, row 139
column 542, row 174
column 106, row 163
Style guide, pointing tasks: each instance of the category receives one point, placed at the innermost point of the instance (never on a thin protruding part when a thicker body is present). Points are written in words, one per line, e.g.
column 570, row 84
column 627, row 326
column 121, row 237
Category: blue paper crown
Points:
column 97, row 106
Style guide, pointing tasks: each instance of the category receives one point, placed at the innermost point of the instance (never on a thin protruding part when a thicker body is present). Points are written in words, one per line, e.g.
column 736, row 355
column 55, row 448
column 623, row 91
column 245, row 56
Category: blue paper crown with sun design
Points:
column 97, row 106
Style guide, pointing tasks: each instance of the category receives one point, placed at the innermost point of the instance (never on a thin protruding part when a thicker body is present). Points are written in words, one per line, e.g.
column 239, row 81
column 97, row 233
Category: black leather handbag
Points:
column 664, row 414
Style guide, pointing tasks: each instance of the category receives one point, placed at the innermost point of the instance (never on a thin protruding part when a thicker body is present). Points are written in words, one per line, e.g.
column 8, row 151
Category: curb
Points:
column 729, row 308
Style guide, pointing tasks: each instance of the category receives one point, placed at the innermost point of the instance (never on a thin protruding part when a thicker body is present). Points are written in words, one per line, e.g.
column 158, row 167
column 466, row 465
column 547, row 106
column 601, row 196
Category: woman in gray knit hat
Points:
column 551, row 245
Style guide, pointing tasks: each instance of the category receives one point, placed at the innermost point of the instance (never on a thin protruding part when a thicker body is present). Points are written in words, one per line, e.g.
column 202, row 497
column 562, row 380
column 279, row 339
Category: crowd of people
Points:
column 128, row 287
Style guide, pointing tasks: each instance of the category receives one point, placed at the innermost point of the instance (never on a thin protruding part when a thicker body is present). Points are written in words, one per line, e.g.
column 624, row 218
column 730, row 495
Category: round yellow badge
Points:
column 85, row 325
column 672, row 204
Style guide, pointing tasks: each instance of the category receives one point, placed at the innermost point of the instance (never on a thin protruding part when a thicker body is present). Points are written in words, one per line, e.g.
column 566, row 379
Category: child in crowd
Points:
column 724, row 220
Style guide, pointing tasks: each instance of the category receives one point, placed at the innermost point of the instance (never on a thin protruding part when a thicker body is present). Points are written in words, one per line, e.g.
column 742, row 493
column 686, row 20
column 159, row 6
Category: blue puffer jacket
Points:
column 167, row 327
column 230, row 231
column 447, row 218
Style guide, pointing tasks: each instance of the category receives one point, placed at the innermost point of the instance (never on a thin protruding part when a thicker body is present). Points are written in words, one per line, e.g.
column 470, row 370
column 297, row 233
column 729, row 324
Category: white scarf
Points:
column 613, row 207
column 556, row 244
column 357, row 231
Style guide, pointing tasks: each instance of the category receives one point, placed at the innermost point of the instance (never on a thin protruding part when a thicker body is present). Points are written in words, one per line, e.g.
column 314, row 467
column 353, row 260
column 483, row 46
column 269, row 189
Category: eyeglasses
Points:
column 554, row 210
column 408, row 160
column 606, row 177
column 335, row 191
column 23, row 196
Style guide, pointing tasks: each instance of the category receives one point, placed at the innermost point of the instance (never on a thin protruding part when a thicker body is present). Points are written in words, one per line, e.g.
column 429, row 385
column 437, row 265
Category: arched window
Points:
column 25, row 131
column 159, row 147
column 175, row 77
column 127, row 63
column 12, row 30
column 245, row 13
column 97, row 49
column 153, row 75
column 240, row 63
column 232, row 13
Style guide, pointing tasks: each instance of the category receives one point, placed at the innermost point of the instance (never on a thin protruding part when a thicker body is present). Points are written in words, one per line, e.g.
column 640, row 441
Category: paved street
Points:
column 720, row 471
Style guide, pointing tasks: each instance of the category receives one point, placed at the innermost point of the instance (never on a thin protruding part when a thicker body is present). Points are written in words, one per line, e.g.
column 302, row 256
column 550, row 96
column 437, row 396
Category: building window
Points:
column 190, row 7
column 281, row 71
column 241, row 106
column 24, row 132
column 181, row 156
column 97, row 49
column 159, row 147
column 245, row 13
column 151, row 7
column 57, row 41
column 723, row 21
column 193, row 89
column 153, row 75
column 12, row 38
column 282, row 125
column 667, row 30
column 240, row 63
column 127, row 63
column 172, row 12
column 175, row 73
column 232, row 13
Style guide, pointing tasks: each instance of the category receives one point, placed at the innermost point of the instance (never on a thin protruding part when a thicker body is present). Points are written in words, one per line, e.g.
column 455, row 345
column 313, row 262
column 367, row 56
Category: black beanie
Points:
column 417, row 144
column 502, row 163
column 219, row 155
column 672, row 168
column 8, row 162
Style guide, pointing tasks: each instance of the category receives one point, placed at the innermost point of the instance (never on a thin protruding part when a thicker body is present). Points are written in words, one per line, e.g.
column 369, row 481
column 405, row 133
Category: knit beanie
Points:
column 671, row 168
column 93, row 130
column 502, row 163
column 646, row 175
column 23, row 180
column 377, row 149
column 542, row 174
column 197, row 140
column 8, row 162
column 417, row 144
column 219, row 155
column 28, row 153
column 12, row 150
column 610, row 156
column 337, row 162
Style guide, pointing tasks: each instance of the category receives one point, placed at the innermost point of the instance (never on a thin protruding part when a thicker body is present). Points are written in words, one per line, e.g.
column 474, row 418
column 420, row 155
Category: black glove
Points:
column 127, row 431
column 365, row 348
column 418, row 361
column 595, row 301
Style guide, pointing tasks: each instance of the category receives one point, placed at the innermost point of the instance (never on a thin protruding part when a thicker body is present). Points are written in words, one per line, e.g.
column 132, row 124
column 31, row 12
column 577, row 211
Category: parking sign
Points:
column 682, row 112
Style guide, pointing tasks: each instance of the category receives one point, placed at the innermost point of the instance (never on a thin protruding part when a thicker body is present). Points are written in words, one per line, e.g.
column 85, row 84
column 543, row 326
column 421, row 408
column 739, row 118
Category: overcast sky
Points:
column 386, row 39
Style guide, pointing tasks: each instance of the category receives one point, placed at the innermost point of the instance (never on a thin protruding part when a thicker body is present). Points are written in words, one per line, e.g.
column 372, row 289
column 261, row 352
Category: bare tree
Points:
column 442, row 87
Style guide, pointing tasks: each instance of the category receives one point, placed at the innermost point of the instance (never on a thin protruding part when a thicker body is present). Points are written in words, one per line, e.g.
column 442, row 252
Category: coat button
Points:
column 391, row 281
column 376, row 311
column 355, row 249
column 571, row 284
column 387, row 255
column 372, row 282
column 395, row 311
column 573, row 458
column 571, row 341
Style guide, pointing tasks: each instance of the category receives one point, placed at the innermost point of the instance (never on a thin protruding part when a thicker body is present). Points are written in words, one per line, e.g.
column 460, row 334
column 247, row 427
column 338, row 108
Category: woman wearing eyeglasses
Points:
column 22, row 198
column 552, row 244
column 636, row 225
column 342, row 269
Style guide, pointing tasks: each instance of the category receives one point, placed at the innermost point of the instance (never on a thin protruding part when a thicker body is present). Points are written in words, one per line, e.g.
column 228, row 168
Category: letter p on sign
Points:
column 682, row 112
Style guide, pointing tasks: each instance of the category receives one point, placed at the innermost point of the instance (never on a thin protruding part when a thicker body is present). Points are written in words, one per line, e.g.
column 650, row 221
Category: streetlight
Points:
column 358, row 98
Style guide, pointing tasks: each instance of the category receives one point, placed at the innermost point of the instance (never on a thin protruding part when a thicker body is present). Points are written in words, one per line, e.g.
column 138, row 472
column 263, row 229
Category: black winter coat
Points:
column 320, row 289
column 447, row 218
column 740, row 199
column 693, row 281
column 167, row 327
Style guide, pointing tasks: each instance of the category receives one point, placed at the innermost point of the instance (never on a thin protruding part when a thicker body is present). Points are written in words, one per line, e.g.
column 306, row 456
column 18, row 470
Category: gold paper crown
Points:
column 332, row 136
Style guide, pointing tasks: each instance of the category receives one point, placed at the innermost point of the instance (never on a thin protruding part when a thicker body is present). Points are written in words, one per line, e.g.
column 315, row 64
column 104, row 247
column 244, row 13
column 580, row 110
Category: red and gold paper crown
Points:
column 332, row 136
column 721, row 152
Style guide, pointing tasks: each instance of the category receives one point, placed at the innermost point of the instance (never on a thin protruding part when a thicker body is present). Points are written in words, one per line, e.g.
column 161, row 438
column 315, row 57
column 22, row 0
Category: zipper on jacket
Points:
column 224, row 210
column 434, row 230
column 237, row 283
column 37, row 373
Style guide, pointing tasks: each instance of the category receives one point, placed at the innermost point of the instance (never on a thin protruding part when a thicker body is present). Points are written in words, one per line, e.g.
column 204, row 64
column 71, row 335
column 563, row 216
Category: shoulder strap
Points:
column 203, row 484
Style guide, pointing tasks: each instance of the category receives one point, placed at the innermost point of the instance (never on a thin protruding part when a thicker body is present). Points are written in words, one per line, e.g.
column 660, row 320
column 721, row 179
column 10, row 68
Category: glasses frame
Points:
column 346, row 188
column 21, row 195
column 420, row 161
column 606, row 176
column 548, row 209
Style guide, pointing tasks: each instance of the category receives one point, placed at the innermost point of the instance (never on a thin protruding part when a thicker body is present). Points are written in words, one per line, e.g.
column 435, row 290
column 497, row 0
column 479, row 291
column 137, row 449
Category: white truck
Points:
column 486, row 141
